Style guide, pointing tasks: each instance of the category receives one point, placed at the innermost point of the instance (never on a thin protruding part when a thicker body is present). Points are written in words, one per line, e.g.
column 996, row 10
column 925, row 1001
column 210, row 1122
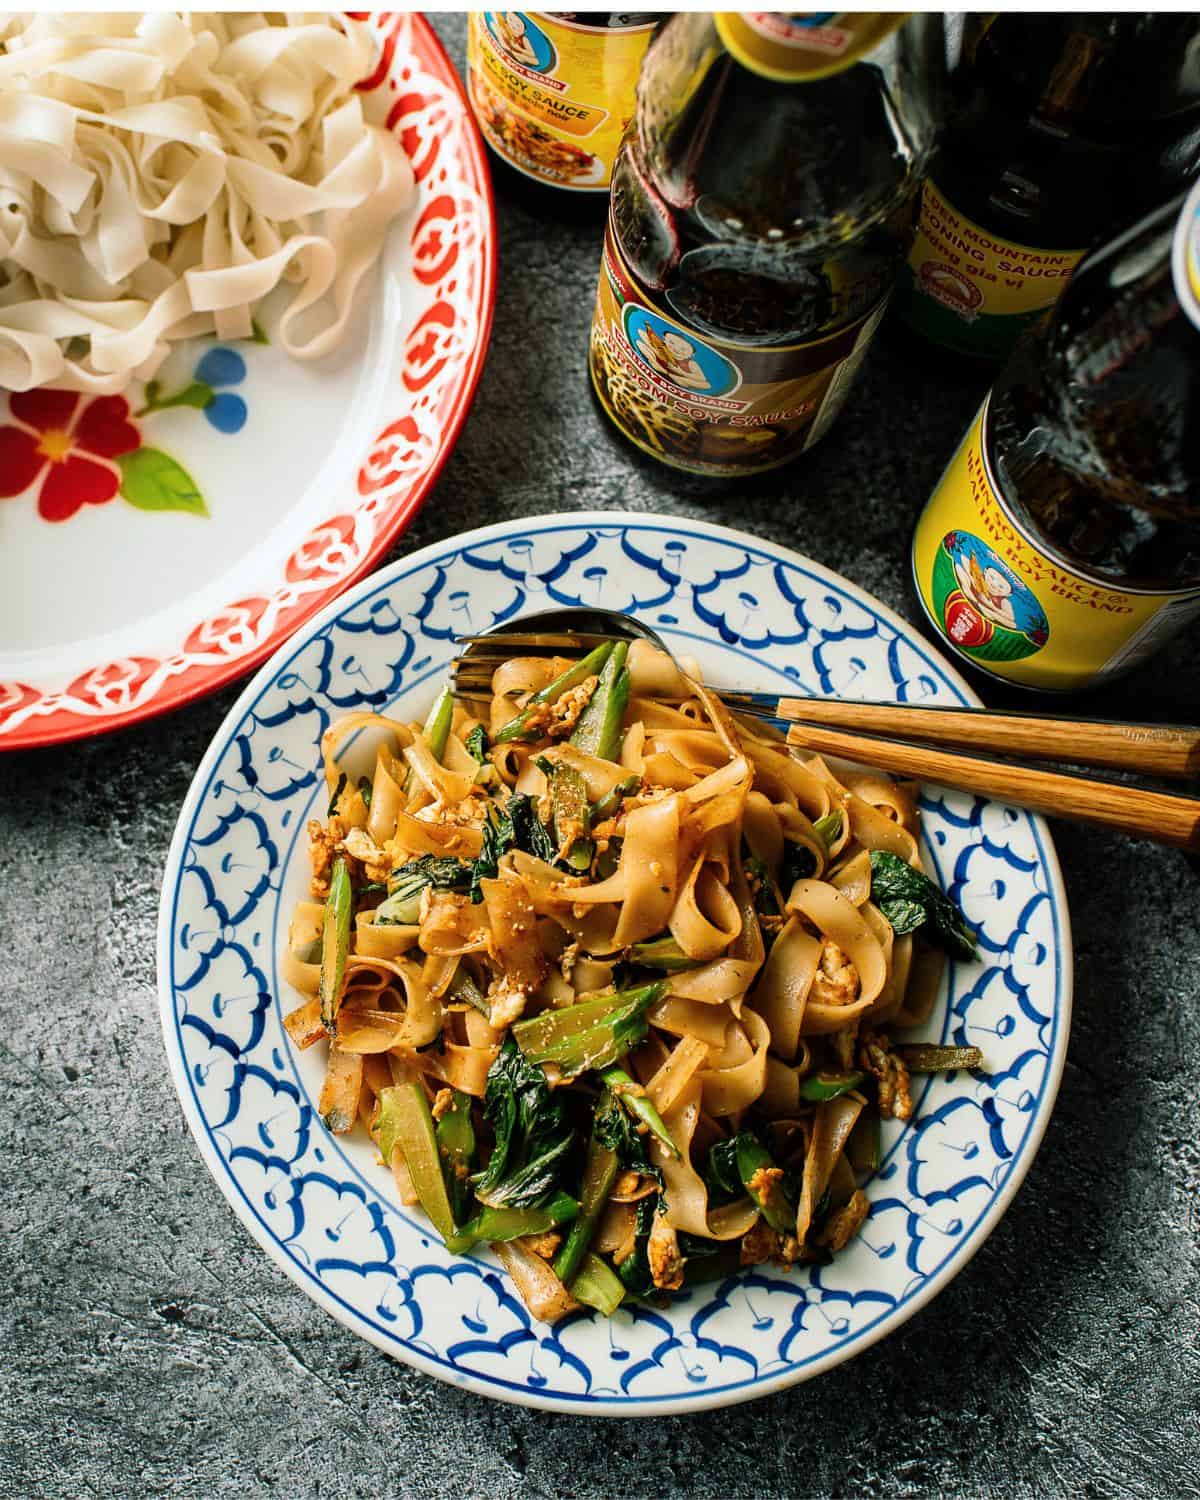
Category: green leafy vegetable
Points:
column 516, row 826
column 335, row 940
column 662, row 953
column 798, row 863
column 437, row 725
column 456, row 1145
column 403, row 905
column 533, row 1139
column 593, row 1034
column 639, row 1106
column 910, row 900
column 597, row 1286
column 721, row 1176
column 829, row 828
column 568, row 798
column 337, row 795
column 610, row 804
column 765, row 903
column 753, row 1161
column 599, row 1173
column 477, row 745
column 634, row 1270
column 616, row 1129
column 491, row 1224
column 364, row 789
column 405, row 1121
column 819, row 1086
column 598, row 729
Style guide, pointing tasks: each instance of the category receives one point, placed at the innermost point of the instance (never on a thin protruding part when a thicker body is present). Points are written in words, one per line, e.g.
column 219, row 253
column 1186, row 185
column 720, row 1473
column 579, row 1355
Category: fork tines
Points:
column 471, row 673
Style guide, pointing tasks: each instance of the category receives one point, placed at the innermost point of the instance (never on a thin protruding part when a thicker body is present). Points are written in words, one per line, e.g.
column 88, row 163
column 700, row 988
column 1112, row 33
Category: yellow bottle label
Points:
column 794, row 46
column 1001, row 600
column 709, row 405
column 971, row 289
column 553, row 97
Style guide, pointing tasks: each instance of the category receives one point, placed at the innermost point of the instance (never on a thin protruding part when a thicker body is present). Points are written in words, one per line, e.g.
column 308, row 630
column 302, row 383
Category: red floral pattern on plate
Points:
column 453, row 262
column 67, row 450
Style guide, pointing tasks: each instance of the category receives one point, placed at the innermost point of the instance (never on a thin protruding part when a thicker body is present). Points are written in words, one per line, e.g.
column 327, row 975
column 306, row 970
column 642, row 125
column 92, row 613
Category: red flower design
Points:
column 76, row 449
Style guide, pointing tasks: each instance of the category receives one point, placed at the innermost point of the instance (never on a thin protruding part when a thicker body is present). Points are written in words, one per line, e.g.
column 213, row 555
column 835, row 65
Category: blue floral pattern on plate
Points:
column 751, row 614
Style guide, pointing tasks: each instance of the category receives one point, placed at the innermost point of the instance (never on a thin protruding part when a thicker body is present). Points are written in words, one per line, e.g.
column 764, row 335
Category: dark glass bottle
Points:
column 1061, row 128
column 1063, row 543
column 761, row 206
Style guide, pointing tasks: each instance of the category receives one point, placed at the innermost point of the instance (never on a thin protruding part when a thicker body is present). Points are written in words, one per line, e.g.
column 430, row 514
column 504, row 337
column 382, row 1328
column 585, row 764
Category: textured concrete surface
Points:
column 148, row 1347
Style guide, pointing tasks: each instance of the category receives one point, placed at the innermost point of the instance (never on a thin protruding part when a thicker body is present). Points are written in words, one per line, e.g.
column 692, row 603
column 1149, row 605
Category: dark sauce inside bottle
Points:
column 1094, row 428
column 765, row 215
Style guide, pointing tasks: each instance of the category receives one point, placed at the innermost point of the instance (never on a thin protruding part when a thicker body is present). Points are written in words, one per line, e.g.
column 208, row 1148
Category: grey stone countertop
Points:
column 147, row 1346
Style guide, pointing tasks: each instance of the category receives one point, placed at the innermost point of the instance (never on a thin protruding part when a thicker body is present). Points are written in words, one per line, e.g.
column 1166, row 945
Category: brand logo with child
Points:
column 680, row 358
column 986, row 609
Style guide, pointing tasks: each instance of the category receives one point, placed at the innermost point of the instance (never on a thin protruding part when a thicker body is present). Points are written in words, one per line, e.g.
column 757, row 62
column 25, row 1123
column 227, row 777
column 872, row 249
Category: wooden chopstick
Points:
column 1164, row 817
column 1155, row 749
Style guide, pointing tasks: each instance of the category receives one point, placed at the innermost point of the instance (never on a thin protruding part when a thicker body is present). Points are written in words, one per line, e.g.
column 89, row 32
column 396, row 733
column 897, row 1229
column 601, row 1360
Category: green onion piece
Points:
column 598, row 728
column 588, row 666
column 337, row 795
column 456, row 1145
column 599, row 1173
column 923, row 1057
column 627, row 1091
column 437, row 725
column 405, row 1121
column 752, row 1156
column 568, row 798
column 662, row 953
column 365, row 789
column 462, row 989
column 335, row 941
column 513, row 1223
column 829, row 828
column 476, row 744
column 610, row 804
column 591, row 1035
column 597, row 1285
column 818, row 1086
column 864, row 1146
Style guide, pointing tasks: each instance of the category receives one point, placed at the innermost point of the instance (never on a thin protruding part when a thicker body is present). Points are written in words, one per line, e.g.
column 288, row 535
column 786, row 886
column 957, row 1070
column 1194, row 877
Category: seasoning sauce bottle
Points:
column 761, row 206
column 1062, row 544
column 1061, row 128
column 553, row 90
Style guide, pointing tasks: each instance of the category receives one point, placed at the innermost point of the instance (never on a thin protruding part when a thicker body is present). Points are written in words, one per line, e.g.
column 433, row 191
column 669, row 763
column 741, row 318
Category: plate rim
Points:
column 62, row 727
column 587, row 1405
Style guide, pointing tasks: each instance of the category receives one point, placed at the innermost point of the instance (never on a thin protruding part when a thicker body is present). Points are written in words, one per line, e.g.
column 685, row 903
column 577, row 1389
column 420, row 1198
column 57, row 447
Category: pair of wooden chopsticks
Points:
column 982, row 751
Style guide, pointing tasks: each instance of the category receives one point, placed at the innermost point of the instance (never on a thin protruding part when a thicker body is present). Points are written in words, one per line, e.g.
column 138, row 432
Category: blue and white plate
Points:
column 754, row 615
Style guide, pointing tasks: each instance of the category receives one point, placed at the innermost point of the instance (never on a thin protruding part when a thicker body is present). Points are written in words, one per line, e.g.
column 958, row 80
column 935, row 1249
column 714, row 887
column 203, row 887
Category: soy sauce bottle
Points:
column 1062, row 545
column 1061, row 128
column 761, row 206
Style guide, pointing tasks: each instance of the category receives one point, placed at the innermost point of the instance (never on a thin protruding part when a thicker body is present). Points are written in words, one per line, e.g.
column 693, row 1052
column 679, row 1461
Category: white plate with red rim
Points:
column 325, row 1210
column 157, row 544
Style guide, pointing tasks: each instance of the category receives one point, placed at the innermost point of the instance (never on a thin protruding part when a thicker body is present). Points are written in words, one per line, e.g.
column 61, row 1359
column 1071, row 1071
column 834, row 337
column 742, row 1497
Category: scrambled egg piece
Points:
column 875, row 1057
column 662, row 1250
column 506, row 1003
column 837, row 981
column 443, row 1101
column 324, row 840
column 557, row 720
